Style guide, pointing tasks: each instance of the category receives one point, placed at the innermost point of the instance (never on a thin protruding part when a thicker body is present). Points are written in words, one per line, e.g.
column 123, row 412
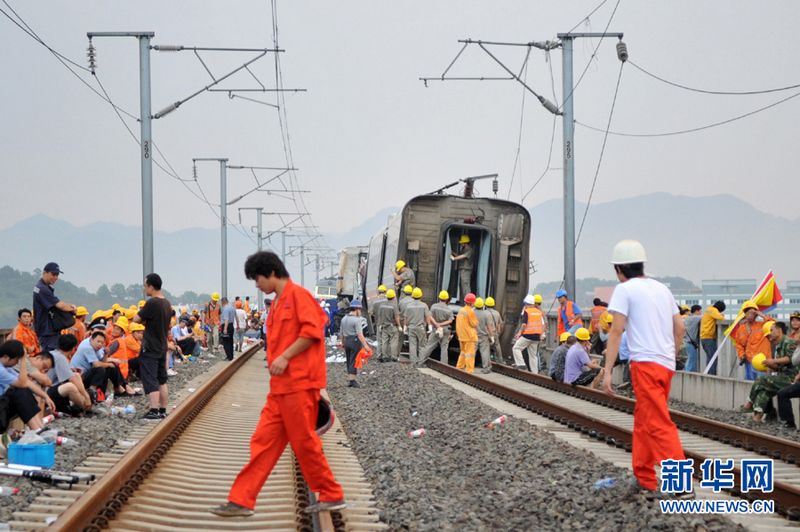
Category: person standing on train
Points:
column 387, row 317
column 486, row 331
column 569, row 314
column 499, row 324
column 532, row 330
column 403, row 275
column 467, row 332
column 464, row 264
column 415, row 318
column 646, row 311
column 441, row 319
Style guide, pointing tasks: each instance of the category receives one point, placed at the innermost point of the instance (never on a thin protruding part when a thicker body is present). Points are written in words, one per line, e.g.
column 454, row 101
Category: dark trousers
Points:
column 99, row 377
column 22, row 403
column 710, row 347
column 187, row 346
column 785, row 405
column 226, row 339
column 351, row 348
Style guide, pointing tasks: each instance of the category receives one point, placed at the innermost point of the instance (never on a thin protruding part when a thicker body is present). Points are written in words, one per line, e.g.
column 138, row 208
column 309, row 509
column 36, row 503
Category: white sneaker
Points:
column 171, row 372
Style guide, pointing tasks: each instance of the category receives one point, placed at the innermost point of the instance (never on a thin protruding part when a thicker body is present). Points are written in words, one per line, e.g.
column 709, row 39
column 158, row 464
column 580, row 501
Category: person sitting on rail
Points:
column 95, row 370
column 559, row 356
column 782, row 375
column 17, row 388
column 66, row 388
column 750, row 340
column 578, row 358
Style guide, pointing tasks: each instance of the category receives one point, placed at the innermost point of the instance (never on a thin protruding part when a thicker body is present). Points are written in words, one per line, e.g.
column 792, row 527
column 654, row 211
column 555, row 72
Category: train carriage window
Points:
column 480, row 275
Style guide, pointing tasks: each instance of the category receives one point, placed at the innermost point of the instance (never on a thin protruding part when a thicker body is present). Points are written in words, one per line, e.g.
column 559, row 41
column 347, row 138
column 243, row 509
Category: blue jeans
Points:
column 710, row 347
column 691, row 358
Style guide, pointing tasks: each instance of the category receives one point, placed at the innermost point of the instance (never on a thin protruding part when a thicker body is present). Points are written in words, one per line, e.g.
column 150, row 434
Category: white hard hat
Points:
column 529, row 300
column 628, row 252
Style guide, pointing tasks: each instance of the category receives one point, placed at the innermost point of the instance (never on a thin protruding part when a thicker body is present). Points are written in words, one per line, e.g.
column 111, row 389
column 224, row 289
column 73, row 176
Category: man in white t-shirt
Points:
column 240, row 326
column 646, row 311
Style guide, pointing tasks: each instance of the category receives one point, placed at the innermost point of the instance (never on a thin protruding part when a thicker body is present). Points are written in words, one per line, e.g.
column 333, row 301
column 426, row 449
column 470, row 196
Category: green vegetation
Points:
column 16, row 292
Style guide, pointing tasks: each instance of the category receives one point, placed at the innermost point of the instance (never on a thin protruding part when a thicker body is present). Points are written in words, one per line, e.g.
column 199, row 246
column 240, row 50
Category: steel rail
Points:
column 786, row 496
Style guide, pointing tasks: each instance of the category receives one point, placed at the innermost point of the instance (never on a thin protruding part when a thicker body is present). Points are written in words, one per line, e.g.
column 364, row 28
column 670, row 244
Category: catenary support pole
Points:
column 223, row 194
column 148, row 260
column 569, row 168
column 259, row 227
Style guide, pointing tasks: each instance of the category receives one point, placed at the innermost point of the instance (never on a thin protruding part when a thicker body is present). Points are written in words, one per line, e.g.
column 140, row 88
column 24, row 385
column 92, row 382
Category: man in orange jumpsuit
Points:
column 25, row 333
column 467, row 332
column 750, row 339
column 296, row 360
column 646, row 311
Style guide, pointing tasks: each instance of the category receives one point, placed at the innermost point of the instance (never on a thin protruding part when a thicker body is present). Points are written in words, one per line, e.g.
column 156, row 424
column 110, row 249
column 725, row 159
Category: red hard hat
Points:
column 325, row 416
column 469, row 298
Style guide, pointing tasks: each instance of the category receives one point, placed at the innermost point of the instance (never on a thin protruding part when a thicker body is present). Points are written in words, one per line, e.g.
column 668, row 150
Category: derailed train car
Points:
column 426, row 233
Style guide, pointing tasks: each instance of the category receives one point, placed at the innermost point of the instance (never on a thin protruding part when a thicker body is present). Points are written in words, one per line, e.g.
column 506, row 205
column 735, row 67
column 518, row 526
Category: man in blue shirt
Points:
column 44, row 299
column 578, row 358
column 17, row 387
column 96, row 370
column 227, row 319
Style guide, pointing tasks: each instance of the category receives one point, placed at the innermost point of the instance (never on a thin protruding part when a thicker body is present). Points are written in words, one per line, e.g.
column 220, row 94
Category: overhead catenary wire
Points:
column 524, row 75
column 586, row 18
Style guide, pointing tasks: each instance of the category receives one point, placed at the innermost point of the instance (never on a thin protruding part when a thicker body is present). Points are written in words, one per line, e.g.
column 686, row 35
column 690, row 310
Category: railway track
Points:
column 609, row 419
column 186, row 463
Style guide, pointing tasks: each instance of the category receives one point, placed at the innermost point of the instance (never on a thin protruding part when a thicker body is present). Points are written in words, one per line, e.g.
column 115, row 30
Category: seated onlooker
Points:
column 558, row 360
column 24, row 332
column 127, row 349
column 781, row 375
column 17, row 388
column 95, row 370
column 66, row 385
column 183, row 336
column 579, row 368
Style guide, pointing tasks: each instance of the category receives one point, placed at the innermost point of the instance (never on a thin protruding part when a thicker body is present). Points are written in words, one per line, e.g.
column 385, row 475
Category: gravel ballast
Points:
column 95, row 434
column 463, row 476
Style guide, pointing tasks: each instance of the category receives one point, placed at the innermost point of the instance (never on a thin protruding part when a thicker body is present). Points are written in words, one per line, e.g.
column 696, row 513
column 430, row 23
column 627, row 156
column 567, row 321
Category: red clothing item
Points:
column 286, row 418
column 655, row 437
column 295, row 314
column 28, row 337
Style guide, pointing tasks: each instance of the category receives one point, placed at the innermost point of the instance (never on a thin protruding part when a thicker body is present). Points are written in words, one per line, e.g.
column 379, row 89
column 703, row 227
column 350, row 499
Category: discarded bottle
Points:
column 499, row 421
column 417, row 433
column 49, row 435
column 48, row 419
column 109, row 399
column 605, row 483
column 130, row 410
column 6, row 491
column 66, row 442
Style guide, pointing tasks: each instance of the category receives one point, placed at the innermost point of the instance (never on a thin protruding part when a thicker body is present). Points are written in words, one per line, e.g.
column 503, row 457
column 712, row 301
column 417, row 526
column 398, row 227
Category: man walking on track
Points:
column 296, row 359
column 645, row 309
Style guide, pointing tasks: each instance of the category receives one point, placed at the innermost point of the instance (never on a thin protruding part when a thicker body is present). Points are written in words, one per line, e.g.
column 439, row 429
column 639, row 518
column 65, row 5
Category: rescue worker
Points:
column 708, row 333
column 78, row 329
column 441, row 318
column 532, row 329
column 499, row 324
column 296, row 358
column 486, row 331
column 767, row 386
column 569, row 314
column 597, row 310
column 750, row 340
column 387, row 316
column 646, row 311
column 212, row 320
column 373, row 311
column 402, row 303
column 25, row 333
column 415, row 318
column 403, row 275
column 352, row 330
column 467, row 332
column 464, row 264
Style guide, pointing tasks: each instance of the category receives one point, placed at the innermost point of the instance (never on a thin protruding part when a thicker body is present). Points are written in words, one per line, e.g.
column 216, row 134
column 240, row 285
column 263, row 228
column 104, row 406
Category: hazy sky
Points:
column 368, row 134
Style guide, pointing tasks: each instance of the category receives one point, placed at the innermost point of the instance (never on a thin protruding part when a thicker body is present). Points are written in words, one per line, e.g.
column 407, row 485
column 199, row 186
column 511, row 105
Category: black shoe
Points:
column 152, row 415
column 354, row 384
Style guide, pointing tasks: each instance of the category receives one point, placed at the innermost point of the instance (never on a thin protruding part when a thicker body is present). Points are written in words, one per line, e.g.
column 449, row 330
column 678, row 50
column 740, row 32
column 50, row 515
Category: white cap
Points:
column 628, row 252
column 529, row 300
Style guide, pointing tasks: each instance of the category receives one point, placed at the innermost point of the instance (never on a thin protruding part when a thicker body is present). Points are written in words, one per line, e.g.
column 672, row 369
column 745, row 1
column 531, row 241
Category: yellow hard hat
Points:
column 479, row 302
column 142, row 303
column 107, row 314
column 416, row 293
column 490, row 302
column 115, row 306
column 564, row 336
column 767, row 327
column 136, row 327
column 758, row 362
column 98, row 314
column 464, row 239
column 537, row 298
column 122, row 323
column 607, row 317
column 407, row 289
column 399, row 264
column 444, row 296
column 390, row 294
column 183, row 310
column 582, row 334
column 748, row 305
column 686, row 308
column 215, row 296
column 382, row 289
column 129, row 314
column 81, row 311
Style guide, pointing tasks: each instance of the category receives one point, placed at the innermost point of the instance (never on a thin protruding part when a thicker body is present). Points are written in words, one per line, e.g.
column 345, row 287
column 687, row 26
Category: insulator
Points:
column 622, row 51
column 495, row 186
column 194, row 171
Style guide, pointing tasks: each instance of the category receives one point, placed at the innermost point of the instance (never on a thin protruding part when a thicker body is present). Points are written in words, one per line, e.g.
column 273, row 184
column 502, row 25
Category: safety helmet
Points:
column 141, row 303
column 479, row 302
column 444, row 296
column 529, row 300
column 564, row 336
column 136, row 327
column 129, row 314
column 749, row 304
column 607, row 317
column 122, row 323
column 767, row 327
column 628, row 252
column 399, row 264
column 561, row 293
column 115, row 306
column 215, row 296
column 758, row 362
column 408, row 289
column 382, row 289
column 325, row 416
column 490, row 302
column 463, row 239
column 795, row 315
column 98, row 314
column 390, row 294
column 537, row 298
column 469, row 298
column 81, row 311
column 416, row 293
column 583, row 334
column 355, row 304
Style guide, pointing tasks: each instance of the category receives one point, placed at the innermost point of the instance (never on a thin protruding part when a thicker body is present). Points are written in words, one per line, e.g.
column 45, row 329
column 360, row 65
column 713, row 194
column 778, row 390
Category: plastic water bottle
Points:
column 130, row 411
column 417, row 433
column 605, row 483
column 48, row 419
column 66, row 442
column 499, row 421
column 109, row 399
column 6, row 491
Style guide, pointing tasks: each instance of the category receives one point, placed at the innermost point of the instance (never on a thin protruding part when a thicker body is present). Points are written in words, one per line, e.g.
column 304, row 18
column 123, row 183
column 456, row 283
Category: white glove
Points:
column 399, row 329
column 439, row 332
column 491, row 340
column 405, row 329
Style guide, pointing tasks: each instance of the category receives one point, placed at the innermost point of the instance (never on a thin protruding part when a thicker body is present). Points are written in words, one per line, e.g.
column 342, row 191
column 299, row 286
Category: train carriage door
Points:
column 480, row 241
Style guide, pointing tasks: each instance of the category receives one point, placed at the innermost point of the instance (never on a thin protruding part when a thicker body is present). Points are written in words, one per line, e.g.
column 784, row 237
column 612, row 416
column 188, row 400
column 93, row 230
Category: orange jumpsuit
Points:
column 128, row 350
column 750, row 341
column 290, row 414
column 28, row 337
column 467, row 332
column 78, row 330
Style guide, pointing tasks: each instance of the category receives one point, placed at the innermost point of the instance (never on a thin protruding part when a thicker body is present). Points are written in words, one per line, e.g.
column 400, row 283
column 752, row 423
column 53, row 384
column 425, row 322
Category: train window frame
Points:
column 483, row 281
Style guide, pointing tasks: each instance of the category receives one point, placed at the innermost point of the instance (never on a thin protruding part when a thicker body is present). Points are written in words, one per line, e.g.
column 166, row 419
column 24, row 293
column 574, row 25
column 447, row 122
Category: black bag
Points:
column 60, row 319
column 5, row 406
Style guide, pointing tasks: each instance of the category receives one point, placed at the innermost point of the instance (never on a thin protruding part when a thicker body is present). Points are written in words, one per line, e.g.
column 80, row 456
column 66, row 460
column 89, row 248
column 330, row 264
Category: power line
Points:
column 592, row 12
column 600, row 159
column 524, row 73
column 694, row 129
column 703, row 91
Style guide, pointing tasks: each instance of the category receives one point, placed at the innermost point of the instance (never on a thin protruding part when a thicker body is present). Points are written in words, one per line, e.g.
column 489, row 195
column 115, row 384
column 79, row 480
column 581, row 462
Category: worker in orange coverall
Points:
column 296, row 359
column 467, row 332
